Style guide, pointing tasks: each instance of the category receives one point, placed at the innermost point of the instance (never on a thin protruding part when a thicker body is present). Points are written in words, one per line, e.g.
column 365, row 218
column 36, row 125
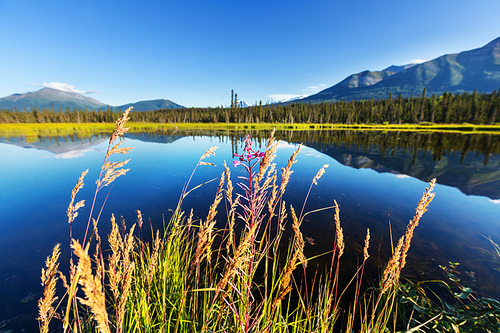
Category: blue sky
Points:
column 195, row 52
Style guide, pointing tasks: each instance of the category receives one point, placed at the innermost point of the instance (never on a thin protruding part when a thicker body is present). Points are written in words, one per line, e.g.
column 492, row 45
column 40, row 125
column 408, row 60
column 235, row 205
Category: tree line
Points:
column 475, row 108
column 437, row 144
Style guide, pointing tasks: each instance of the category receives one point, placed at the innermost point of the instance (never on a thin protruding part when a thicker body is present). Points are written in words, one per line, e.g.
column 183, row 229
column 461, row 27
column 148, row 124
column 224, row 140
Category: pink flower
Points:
column 248, row 153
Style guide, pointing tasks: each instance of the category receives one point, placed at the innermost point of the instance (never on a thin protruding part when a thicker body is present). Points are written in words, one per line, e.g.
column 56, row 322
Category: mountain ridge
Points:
column 477, row 69
column 49, row 98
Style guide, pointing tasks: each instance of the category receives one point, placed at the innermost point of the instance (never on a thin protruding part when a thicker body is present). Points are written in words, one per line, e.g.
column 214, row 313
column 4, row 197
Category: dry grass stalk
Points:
column 113, row 171
column 139, row 218
column 286, row 172
column 299, row 238
column 298, row 254
column 99, row 264
column 212, row 213
column 72, row 210
column 127, row 247
column 339, row 232
column 274, row 195
column 420, row 210
column 320, row 173
column 229, row 185
column 367, row 244
column 110, row 171
column 114, row 273
column 398, row 260
column 127, row 268
column 282, row 217
column 126, row 284
column 95, row 297
column 120, row 128
column 238, row 260
column 391, row 276
column 209, row 152
column 117, row 150
column 154, row 260
column 120, row 269
column 205, row 235
column 268, row 158
column 271, row 139
column 49, row 278
column 95, row 232
column 232, row 217
column 189, row 222
column 63, row 279
column 98, row 253
column 232, row 205
column 270, row 175
column 124, row 225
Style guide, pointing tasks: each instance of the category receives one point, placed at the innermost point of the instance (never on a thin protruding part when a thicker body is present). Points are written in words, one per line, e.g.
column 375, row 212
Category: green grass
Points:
column 55, row 129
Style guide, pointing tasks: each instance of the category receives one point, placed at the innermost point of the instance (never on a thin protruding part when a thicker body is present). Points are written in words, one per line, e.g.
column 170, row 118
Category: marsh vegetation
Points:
column 251, row 275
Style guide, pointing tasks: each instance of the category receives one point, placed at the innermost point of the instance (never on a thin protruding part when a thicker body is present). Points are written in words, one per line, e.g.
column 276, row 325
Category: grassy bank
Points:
column 61, row 129
column 195, row 277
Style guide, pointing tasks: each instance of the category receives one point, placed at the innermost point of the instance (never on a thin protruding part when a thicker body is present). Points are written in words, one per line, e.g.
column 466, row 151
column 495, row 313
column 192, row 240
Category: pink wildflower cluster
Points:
column 248, row 156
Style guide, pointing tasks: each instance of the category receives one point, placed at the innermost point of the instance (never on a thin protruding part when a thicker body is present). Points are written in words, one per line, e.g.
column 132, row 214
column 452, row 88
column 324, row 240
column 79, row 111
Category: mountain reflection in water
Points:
column 35, row 191
column 469, row 162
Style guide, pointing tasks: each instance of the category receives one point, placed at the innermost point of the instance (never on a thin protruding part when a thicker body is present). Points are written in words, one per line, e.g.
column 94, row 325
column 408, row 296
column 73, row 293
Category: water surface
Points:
column 377, row 178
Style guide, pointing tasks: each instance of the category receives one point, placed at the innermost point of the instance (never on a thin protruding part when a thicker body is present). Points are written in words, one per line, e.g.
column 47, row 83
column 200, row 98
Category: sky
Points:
column 195, row 52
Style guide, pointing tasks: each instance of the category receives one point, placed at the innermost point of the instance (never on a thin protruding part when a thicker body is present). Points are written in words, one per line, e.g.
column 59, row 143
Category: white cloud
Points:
column 417, row 61
column 63, row 87
column 286, row 145
column 312, row 153
column 400, row 175
column 495, row 201
column 73, row 153
column 317, row 88
column 288, row 97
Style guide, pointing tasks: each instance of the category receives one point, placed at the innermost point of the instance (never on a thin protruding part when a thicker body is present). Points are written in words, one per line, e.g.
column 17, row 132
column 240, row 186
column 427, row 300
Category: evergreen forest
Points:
column 475, row 108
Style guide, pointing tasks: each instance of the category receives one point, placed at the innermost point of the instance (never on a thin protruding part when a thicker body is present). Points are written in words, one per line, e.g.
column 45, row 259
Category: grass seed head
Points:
column 49, row 278
column 367, row 244
column 339, row 231
column 72, row 209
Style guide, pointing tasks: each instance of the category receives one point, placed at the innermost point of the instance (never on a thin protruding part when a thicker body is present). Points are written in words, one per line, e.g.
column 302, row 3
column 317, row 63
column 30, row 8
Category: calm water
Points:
column 377, row 178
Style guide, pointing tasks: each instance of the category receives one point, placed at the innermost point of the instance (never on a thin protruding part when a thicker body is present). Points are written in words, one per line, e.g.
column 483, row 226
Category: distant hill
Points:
column 157, row 104
column 47, row 98
column 477, row 69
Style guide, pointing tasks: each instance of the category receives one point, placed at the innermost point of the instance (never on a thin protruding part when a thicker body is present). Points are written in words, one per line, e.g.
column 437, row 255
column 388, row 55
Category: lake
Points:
column 376, row 177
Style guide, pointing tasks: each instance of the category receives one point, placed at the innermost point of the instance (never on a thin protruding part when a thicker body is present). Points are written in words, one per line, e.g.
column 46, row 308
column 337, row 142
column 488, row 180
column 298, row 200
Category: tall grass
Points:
column 196, row 277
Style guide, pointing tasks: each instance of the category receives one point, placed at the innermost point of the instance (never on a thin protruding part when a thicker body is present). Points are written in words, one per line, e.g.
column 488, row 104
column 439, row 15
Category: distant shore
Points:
column 56, row 129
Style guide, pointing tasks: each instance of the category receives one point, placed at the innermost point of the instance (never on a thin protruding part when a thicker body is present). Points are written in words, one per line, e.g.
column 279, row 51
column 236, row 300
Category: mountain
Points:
column 60, row 146
column 471, row 176
column 47, row 98
column 477, row 69
column 243, row 104
column 152, row 105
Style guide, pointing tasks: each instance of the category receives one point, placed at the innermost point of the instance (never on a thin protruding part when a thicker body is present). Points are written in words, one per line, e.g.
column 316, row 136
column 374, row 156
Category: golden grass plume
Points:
column 95, row 297
column 49, row 278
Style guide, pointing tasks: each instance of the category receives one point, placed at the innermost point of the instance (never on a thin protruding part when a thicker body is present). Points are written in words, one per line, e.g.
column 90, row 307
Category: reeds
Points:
column 49, row 279
column 200, row 276
column 92, row 287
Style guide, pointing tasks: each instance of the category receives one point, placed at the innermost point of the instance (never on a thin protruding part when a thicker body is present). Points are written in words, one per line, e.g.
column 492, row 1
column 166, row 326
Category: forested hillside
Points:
column 472, row 108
